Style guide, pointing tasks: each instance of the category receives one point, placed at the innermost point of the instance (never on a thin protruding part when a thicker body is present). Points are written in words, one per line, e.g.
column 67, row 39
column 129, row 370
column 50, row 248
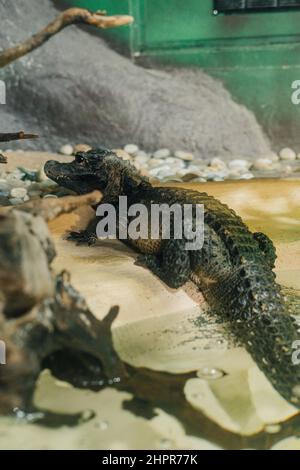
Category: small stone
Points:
column 161, row 171
column 296, row 391
column 50, row 196
column 188, row 174
column 81, row 148
column 274, row 157
column 176, row 163
column 122, row 154
column 132, row 149
column 66, row 149
column 172, row 179
column 272, row 428
column 143, row 154
column 247, row 176
column 239, row 164
column 218, row 178
column 186, row 156
column 3, row 185
column 15, row 201
column 162, row 153
column 262, row 164
column 190, row 177
column 210, row 373
column 287, row 154
column 154, row 162
column 288, row 169
column 18, row 193
column 218, row 164
column 141, row 159
column 26, row 198
column 235, row 174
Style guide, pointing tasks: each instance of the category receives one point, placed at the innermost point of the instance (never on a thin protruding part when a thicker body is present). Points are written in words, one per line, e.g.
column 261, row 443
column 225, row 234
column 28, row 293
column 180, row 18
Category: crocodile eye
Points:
column 79, row 159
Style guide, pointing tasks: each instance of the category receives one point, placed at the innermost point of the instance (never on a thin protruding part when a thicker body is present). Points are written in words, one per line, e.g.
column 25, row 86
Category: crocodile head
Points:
column 88, row 171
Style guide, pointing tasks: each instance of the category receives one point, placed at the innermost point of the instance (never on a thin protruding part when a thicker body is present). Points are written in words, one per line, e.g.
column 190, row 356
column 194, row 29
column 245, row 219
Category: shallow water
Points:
column 168, row 331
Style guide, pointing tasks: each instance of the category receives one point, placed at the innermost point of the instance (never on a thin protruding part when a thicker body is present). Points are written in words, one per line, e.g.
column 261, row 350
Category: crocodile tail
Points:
column 252, row 302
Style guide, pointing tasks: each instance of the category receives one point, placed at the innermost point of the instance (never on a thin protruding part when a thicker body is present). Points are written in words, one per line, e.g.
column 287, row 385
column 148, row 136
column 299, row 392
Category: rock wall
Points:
column 77, row 89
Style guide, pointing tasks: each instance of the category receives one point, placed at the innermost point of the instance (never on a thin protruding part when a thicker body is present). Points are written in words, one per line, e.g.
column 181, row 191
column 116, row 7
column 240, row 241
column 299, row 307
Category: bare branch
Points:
column 16, row 136
column 66, row 18
column 49, row 208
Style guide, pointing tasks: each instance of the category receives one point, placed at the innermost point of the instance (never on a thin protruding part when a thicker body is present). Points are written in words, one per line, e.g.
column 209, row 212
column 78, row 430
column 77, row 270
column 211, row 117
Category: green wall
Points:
column 257, row 56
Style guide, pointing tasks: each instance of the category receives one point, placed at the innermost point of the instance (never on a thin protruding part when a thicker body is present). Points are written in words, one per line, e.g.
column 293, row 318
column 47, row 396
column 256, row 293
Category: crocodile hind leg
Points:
column 267, row 247
column 171, row 265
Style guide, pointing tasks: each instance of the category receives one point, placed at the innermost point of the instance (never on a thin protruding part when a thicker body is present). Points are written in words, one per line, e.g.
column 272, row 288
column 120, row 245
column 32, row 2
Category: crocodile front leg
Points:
column 172, row 265
column 85, row 237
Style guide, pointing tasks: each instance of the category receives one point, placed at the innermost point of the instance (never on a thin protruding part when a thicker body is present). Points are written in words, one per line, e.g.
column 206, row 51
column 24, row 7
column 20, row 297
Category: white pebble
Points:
column 18, row 193
column 155, row 162
column 161, row 171
column 66, row 149
column 132, row 149
column 162, row 153
column 287, row 154
column 218, row 163
column 186, row 156
column 142, row 153
column 239, row 163
column 263, row 164
column 247, row 176
column 122, row 154
column 50, row 196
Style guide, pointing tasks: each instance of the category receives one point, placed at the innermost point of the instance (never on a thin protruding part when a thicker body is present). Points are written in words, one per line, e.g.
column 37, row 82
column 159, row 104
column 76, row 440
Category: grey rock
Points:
column 76, row 87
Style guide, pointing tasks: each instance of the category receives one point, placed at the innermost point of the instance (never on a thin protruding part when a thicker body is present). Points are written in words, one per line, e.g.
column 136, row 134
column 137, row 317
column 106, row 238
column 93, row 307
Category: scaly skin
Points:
column 234, row 269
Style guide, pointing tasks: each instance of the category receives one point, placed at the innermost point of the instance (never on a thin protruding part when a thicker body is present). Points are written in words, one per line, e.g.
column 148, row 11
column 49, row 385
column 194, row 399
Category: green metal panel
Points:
column 256, row 55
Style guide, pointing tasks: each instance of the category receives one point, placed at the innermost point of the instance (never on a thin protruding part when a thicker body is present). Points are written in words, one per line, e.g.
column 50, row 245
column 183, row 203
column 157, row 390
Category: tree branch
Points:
column 66, row 18
column 16, row 136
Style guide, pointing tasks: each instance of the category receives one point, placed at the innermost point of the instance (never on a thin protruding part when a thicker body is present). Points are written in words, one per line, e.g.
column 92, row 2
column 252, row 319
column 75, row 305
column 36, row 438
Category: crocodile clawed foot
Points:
column 83, row 237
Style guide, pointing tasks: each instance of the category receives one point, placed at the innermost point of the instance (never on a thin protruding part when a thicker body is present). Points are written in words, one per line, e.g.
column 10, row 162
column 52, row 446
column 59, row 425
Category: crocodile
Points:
column 234, row 269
